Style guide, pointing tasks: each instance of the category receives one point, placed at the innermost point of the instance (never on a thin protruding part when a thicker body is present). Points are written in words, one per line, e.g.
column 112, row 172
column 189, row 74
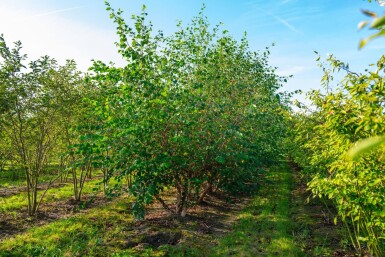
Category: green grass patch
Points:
column 103, row 231
column 17, row 178
column 13, row 176
column 315, row 232
column 19, row 201
column 265, row 226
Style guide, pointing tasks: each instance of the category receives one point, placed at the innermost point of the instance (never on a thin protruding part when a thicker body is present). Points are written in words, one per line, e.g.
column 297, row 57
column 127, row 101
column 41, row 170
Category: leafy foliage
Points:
column 192, row 111
column 350, row 112
column 38, row 103
column 377, row 23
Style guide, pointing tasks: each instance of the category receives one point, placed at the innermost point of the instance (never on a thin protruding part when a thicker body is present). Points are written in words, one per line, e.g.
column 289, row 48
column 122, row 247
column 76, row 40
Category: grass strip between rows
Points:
column 264, row 228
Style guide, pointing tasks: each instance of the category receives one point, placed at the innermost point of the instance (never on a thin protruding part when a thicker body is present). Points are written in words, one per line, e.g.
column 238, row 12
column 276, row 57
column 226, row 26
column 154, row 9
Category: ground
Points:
column 275, row 221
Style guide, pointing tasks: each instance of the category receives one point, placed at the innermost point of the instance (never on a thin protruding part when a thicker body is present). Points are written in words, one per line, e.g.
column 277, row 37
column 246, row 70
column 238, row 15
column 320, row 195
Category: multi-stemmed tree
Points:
column 190, row 111
column 38, row 100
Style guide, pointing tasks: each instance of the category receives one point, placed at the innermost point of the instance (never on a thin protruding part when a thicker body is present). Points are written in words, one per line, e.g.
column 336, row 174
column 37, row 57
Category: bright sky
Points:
column 82, row 30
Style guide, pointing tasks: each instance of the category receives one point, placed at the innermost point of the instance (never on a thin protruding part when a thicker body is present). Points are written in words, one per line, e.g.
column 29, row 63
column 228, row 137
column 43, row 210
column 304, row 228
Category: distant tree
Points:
column 34, row 98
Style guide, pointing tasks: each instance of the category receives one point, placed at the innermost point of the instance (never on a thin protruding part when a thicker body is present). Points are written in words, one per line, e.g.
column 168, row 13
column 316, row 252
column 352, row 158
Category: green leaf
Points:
column 371, row 37
column 364, row 146
column 220, row 159
column 378, row 23
column 363, row 42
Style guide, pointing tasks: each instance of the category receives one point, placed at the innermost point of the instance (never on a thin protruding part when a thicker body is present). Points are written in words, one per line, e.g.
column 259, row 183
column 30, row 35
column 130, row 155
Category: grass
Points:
column 81, row 235
column 103, row 231
column 19, row 201
column 272, row 224
column 315, row 232
column 261, row 229
column 265, row 227
column 14, row 176
column 111, row 231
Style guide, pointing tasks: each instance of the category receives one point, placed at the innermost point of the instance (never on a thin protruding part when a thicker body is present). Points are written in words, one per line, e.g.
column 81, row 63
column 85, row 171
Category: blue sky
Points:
column 81, row 30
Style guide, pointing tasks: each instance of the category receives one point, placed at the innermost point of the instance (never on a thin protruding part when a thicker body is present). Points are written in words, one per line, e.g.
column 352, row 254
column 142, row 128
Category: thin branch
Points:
column 165, row 206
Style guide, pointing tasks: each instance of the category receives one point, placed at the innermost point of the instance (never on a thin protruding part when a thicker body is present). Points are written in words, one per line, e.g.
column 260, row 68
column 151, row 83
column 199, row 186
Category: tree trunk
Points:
column 75, row 184
column 207, row 190
column 181, row 202
column 165, row 206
